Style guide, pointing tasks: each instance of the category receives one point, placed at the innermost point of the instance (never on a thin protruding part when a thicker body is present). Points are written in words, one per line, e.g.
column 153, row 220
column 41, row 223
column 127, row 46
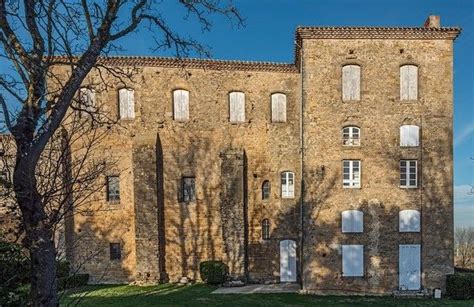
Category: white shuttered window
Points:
column 287, row 185
column 126, row 103
column 181, row 105
column 408, row 82
column 408, row 174
column 352, row 260
column 278, row 108
column 409, row 221
column 351, row 173
column 409, row 135
column 350, row 83
column 352, row 221
column 87, row 100
column 236, row 107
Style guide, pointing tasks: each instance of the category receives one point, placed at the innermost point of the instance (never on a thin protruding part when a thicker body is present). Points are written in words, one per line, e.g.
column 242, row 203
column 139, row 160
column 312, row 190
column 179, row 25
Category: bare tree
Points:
column 464, row 247
column 37, row 36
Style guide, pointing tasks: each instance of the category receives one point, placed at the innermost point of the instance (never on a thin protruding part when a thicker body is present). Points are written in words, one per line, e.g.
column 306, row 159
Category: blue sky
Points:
column 269, row 35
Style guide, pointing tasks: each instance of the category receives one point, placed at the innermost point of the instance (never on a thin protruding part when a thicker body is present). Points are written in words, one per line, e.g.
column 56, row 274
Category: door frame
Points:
column 288, row 242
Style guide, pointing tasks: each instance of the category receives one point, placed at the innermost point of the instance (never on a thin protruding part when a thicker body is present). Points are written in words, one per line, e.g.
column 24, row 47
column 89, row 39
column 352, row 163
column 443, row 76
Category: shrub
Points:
column 14, row 274
column 62, row 269
column 460, row 286
column 213, row 272
column 73, row 281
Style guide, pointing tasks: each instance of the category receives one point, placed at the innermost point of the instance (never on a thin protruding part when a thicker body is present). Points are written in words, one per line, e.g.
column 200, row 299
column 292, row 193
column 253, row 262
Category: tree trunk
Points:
column 43, row 267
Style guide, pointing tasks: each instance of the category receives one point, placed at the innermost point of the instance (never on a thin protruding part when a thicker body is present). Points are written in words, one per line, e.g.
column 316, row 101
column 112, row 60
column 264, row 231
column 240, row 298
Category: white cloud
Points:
column 464, row 134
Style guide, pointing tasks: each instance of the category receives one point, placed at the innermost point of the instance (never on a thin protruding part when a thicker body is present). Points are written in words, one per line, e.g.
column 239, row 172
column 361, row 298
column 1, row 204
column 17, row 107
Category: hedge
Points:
column 460, row 286
column 213, row 272
column 73, row 281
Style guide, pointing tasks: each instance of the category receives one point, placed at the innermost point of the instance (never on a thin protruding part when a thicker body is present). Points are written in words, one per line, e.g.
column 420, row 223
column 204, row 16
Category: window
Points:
column 408, row 82
column 352, row 260
column 409, row 221
column 409, row 135
column 87, row 100
column 188, row 189
column 408, row 174
column 351, row 83
column 351, row 136
column 115, row 251
column 181, row 105
column 266, row 229
column 126, row 103
column 236, row 107
column 266, row 190
column 352, row 221
column 351, row 173
column 287, row 185
column 278, row 108
column 113, row 188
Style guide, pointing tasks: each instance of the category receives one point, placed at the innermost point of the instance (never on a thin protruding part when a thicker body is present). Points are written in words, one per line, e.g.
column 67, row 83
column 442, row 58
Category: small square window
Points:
column 115, row 251
column 113, row 189
column 188, row 189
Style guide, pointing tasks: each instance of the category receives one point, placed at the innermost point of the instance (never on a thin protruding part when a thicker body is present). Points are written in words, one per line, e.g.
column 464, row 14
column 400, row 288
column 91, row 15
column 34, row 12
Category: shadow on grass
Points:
column 175, row 295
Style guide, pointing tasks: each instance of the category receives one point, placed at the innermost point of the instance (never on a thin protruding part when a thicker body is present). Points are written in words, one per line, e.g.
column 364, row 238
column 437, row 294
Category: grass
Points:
column 200, row 294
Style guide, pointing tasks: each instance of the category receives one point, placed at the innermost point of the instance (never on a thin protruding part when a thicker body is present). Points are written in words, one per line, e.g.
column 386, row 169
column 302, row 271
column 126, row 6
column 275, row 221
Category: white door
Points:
column 287, row 261
column 409, row 266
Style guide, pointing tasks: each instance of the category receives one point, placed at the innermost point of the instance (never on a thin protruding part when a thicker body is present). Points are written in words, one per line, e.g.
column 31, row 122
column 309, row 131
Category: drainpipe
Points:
column 301, row 164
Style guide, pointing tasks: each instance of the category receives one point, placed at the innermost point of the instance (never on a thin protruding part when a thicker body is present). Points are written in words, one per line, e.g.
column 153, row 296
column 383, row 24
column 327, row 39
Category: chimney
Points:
column 433, row 21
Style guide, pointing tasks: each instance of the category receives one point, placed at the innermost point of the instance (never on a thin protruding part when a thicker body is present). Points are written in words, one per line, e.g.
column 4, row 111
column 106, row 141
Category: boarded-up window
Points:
column 113, row 188
column 409, row 135
column 408, row 82
column 352, row 260
column 351, row 173
column 351, row 136
column 266, row 190
column 188, row 189
column 409, row 221
column 181, row 105
column 278, row 108
column 352, row 221
column 126, row 103
column 287, row 185
column 351, row 83
column 87, row 101
column 236, row 107
column 408, row 174
column 266, row 229
column 115, row 251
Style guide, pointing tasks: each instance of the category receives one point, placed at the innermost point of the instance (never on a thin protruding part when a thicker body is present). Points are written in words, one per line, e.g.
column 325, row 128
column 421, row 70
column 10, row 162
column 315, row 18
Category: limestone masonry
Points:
column 334, row 171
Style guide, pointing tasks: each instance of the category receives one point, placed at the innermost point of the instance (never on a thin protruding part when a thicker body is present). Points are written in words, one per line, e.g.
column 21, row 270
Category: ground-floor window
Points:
column 353, row 260
column 115, row 251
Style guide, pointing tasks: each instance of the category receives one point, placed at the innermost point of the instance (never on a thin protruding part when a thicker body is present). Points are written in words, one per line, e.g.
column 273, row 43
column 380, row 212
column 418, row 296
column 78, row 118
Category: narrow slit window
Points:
column 115, row 251
column 188, row 189
column 266, row 190
column 266, row 229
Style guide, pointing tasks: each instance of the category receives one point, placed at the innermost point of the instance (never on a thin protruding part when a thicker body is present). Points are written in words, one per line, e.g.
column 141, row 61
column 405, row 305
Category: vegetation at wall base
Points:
column 460, row 286
column 213, row 272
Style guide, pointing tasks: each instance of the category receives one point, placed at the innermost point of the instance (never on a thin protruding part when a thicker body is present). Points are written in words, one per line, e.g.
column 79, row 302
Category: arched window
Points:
column 409, row 135
column 409, row 221
column 181, row 105
column 266, row 190
column 352, row 221
column 351, row 83
column 351, row 136
column 278, row 108
column 408, row 82
column 126, row 103
column 236, row 107
column 287, row 185
column 266, row 229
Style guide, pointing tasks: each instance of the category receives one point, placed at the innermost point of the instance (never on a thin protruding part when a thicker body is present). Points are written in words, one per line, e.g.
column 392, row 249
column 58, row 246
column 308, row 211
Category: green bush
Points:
column 73, row 281
column 62, row 269
column 213, row 272
column 14, row 274
column 460, row 286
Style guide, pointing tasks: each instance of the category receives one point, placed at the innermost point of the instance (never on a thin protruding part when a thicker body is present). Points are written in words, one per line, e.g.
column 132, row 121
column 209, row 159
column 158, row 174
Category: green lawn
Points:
column 200, row 294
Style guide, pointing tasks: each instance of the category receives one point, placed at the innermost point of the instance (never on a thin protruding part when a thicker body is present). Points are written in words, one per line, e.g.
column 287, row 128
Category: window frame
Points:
column 350, row 141
column 115, row 254
column 350, row 96
column 116, row 196
column 286, row 193
column 266, row 190
column 351, row 181
column 407, row 174
column 265, row 229
column 183, row 188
